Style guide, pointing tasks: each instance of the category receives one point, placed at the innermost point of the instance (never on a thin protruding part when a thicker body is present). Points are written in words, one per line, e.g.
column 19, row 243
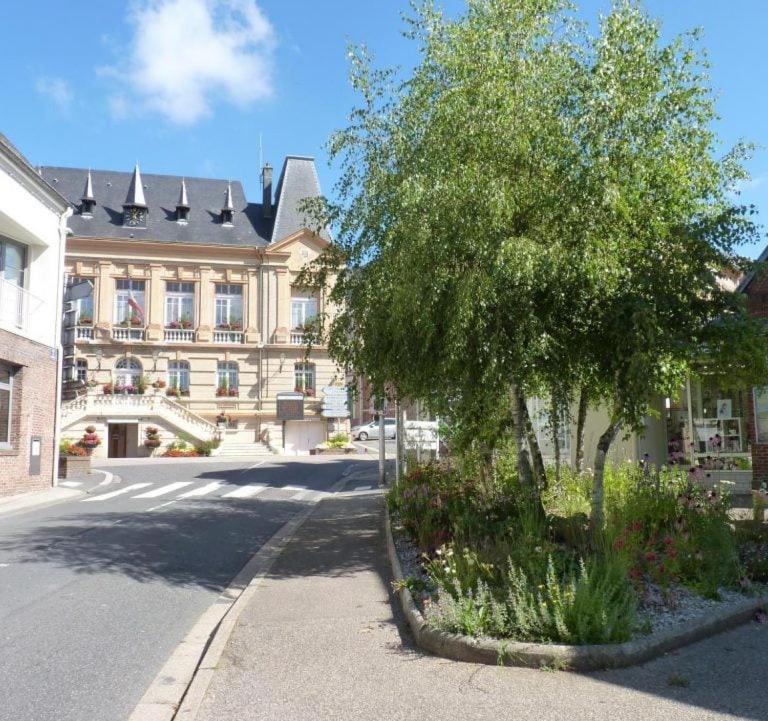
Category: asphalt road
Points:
column 97, row 591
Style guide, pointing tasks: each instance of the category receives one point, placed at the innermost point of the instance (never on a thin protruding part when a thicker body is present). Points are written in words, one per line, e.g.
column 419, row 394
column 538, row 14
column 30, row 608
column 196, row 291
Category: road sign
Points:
column 335, row 402
column 335, row 391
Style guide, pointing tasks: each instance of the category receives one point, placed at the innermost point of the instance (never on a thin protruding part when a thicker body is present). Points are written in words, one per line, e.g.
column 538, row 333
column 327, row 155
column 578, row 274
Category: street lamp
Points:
column 98, row 352
column 155, row 358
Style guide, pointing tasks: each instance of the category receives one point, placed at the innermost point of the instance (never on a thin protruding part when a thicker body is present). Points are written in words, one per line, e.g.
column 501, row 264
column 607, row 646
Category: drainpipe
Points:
column 63, row 232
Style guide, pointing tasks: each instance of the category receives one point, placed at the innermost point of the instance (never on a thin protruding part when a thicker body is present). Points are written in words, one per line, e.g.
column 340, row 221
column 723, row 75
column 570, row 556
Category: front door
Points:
column 118, row 440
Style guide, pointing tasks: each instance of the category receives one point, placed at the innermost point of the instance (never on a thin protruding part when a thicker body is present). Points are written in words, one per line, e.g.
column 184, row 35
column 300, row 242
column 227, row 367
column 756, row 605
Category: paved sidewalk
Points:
column 321, row 640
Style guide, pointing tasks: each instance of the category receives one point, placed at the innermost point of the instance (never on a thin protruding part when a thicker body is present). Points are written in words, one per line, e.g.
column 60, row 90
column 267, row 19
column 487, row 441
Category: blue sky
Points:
column 187, row 86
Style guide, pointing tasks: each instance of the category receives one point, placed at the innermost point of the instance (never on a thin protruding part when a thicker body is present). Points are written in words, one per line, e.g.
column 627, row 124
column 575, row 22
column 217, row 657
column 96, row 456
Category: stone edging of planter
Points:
column 576, row 658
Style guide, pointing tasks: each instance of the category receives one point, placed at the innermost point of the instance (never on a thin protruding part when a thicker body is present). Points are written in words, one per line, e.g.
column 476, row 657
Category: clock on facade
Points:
column 135, row 216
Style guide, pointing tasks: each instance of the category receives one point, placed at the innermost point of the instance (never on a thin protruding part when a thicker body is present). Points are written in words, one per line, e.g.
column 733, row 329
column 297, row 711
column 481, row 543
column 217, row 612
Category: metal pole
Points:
column 398, row 442
column 382, row 448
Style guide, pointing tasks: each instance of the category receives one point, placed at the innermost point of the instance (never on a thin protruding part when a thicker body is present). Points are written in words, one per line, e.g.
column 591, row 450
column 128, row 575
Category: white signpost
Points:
column 422, row 435
column 335, row 403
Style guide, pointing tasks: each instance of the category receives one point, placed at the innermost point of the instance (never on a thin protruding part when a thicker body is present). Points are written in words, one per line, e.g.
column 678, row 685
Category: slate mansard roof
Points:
column 206, row 198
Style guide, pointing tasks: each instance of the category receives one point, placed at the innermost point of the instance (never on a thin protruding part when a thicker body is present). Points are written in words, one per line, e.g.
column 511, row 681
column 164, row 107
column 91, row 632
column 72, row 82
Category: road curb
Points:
column 577, row 658
column 178, row 690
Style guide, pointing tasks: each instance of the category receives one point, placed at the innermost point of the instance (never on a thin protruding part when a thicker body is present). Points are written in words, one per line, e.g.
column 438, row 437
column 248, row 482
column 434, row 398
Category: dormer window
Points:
column 88, row 201
column 228, row 211
column 182, row 206
column 86, row 207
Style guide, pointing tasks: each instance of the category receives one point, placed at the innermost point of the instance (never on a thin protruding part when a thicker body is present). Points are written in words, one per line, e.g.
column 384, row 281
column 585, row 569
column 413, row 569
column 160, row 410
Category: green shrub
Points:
column 592, row 604
column 204, row 448
column 340, row 440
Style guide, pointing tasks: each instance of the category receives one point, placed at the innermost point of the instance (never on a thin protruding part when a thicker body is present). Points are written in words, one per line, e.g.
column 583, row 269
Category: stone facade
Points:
column 33, row 414
column 267, row 352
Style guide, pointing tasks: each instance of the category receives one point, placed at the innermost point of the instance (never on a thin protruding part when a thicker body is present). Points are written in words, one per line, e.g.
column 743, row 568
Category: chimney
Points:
column 266, row 191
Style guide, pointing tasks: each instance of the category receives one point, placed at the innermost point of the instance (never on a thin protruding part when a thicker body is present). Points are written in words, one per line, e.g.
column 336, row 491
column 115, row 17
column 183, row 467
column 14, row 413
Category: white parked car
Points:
column 371, row 430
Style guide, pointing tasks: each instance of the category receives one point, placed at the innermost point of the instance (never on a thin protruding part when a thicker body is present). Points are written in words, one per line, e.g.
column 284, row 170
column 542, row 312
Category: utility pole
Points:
column 382, row 446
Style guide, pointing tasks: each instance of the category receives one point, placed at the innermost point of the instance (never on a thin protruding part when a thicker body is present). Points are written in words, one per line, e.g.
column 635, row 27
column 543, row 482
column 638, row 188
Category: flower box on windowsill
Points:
column 237, row 326
column 227, row 392
column 176, row 393
column 84, row 320
column 179, row 325
column 308, row 392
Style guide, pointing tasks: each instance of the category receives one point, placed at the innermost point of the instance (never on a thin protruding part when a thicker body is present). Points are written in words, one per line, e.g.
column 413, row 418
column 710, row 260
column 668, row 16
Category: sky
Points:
column 189, row 87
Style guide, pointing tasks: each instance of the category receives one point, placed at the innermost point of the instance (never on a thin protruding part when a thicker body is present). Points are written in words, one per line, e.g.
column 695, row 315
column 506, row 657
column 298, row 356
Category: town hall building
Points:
column 195, row 323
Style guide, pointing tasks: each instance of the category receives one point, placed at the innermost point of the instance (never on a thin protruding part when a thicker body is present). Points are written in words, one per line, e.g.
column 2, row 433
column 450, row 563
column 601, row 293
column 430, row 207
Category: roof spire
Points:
column 135, row 195
column 183, row 202
column 228, row 205
column 88, row 192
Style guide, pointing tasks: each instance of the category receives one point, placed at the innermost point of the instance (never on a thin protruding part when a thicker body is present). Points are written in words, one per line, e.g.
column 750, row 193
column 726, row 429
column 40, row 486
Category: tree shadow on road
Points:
column 203, row 544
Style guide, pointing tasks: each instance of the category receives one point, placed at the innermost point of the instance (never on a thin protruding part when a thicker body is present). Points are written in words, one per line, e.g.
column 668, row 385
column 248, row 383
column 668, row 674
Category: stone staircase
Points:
column 235, row 448
column 132, row 406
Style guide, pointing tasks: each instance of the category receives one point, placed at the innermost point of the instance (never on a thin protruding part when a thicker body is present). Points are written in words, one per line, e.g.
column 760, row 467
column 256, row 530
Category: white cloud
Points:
column 56, row 90
column 187, row 54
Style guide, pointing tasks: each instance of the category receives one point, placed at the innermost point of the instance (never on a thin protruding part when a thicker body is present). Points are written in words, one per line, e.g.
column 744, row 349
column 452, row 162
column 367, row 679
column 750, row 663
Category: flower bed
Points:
column 490, row 566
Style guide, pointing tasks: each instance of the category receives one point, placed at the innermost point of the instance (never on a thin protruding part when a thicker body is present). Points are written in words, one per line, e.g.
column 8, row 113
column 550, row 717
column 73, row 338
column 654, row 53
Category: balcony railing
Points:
column 84, row 332
column 127, row 333
column 179, row 335
column 228, row 336
column 16, row 305
column 297, row 337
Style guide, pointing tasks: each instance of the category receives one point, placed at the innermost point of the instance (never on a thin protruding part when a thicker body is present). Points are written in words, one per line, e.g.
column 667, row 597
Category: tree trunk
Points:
column 555, row 423
column 523, row 460
column 581, row 421
column 537, row 461
column 603, row 445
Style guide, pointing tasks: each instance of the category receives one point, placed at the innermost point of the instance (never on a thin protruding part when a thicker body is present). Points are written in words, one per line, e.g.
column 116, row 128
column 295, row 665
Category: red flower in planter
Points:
column 233, row 392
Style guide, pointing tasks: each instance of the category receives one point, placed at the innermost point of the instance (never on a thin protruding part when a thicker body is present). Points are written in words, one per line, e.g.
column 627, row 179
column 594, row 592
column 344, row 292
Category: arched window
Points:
column 178, row 377
column 127, row 374
column 81, row 370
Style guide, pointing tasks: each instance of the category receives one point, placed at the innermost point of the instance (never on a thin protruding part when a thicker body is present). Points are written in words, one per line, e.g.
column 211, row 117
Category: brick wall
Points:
column 757, row 305
column 33, row 414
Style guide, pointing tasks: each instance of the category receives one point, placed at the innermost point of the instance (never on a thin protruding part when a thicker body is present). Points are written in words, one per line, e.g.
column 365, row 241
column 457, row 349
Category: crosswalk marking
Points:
column 202, row 491
column 163, row 490
column 246, row 491
column 118, row 492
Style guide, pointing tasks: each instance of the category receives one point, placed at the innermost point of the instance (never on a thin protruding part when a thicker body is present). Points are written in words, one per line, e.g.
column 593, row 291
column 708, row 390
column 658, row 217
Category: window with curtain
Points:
column 6, row 387
column 229, row 306
column 304, row 377
column 178, row 376
column 179, row 305
column 83, row 306
column 227, row 376
column 303, row 310
column 129, row 302
column 81, row 370
column 13, row 269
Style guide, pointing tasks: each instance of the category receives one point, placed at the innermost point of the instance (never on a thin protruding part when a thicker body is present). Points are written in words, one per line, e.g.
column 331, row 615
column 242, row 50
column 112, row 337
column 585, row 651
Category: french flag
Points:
column 135, row 307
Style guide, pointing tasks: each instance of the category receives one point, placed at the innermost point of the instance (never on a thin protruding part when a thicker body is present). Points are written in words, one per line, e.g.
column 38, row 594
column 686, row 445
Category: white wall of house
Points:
column 32, row 217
